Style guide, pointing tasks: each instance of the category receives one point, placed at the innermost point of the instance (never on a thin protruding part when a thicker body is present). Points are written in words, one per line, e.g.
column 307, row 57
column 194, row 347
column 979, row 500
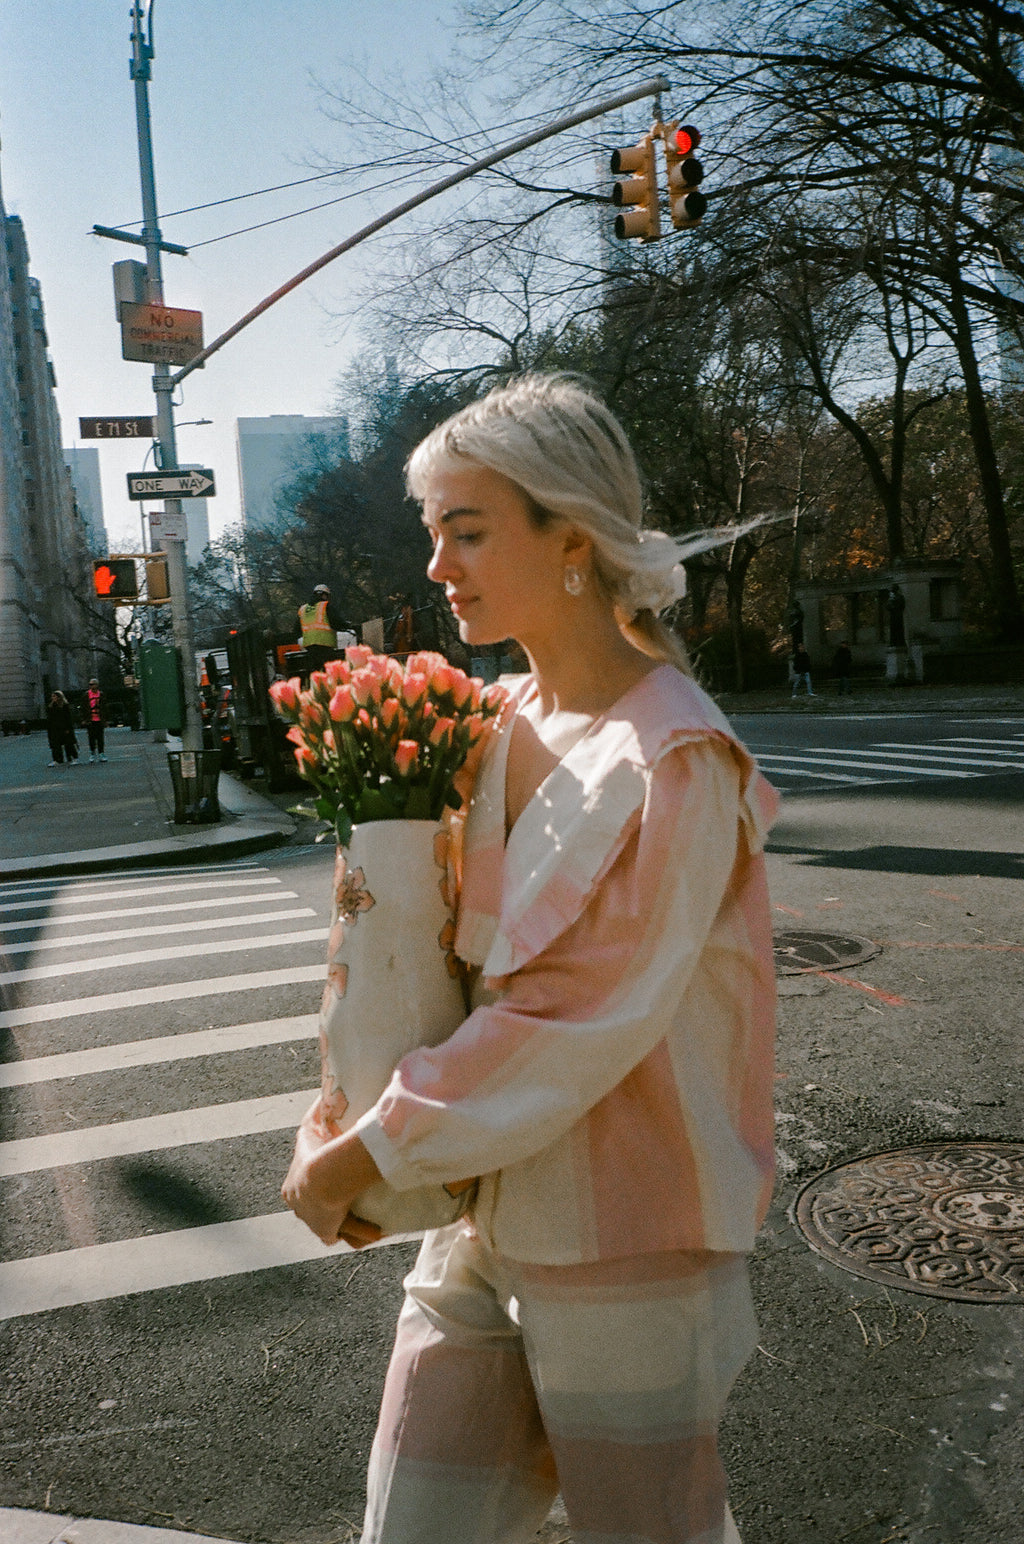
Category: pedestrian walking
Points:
column 580, row 1328
column 60, row 731
column 842, row 667
column 802, row 671
column 95, row 720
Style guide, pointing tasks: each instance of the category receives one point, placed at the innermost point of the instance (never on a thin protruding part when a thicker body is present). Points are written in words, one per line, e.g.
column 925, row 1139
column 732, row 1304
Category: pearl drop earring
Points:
column 574, row 581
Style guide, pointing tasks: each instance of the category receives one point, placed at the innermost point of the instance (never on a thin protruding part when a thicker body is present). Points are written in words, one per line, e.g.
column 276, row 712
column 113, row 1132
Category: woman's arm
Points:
column 576, row 1019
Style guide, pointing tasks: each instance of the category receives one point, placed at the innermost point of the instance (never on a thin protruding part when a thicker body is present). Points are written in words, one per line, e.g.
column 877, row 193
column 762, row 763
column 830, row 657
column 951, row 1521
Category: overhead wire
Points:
column 457, row 141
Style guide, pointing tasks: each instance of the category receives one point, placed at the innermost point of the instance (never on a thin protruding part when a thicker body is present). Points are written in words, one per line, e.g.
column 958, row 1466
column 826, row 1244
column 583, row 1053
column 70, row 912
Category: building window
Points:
column 943, row 600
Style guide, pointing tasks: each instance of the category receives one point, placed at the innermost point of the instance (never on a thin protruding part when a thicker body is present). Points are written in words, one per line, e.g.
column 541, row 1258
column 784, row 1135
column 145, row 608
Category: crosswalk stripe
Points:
column 72, row 894
column 178, row 991
column 160, row 1048
column 161, row 930
column 962, row 756
column 967, row 739
column 70, row 918
column 832, row 777
column 134, row 876
column 41, row 1283
column 179, row 1128
column 174, row 952
column 872, row 766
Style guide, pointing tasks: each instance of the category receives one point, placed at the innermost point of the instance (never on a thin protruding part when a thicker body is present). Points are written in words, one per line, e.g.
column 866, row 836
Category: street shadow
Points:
column 162, row 1190
column 934, row 862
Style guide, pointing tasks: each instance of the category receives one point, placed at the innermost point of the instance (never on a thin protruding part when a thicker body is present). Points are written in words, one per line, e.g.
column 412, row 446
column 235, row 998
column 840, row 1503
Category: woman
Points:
column 60, row 730
column 612, row 1085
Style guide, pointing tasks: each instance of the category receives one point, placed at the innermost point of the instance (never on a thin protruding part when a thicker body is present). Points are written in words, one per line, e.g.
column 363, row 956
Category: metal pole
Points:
column 163, row 383
column 584, row 115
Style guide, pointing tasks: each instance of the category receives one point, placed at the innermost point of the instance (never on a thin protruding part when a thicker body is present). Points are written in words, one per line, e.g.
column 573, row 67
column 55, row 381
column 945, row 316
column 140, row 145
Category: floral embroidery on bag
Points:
column 352, row 897
column 333, row 1102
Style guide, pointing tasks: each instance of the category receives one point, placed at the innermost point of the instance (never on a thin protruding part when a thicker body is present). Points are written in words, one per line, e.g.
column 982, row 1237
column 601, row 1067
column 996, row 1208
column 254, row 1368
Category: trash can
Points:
column 194, row 776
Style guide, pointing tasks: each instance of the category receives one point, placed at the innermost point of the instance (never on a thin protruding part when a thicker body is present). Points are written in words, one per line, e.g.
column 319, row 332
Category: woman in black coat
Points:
column 60, row 730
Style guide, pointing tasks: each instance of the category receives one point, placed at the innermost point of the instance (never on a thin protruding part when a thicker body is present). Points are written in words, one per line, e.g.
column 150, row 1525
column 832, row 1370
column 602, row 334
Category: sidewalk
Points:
column 876, row 698
column 87, row 817
column 17, row 1527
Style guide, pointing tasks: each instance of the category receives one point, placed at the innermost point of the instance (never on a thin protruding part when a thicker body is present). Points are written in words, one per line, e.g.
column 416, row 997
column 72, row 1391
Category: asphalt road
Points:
column 176, row 1351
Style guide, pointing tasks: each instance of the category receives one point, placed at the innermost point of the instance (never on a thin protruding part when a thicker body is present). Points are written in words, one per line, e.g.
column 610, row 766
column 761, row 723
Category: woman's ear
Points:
column 577, row 546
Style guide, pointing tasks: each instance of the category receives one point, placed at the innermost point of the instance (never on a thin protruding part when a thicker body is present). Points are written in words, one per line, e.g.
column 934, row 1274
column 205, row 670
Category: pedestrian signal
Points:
column 685, row 174
column 114, row 579
column 637, row 195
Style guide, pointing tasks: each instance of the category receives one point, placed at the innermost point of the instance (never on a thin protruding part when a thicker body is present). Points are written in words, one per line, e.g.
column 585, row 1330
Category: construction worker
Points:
column 319, row 629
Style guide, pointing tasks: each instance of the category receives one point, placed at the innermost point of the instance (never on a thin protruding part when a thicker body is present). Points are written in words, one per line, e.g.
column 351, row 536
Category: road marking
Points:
column 148, row 911
column 178, row 1128
column 123, row 892
column 162, row 930
column 146, row 997
column 161, row 1048
column 832, row 777
column 968, row 739
column 962, row 757
column 872, row 766
column 131, row 876
column 64, row 1279
column 155, row 956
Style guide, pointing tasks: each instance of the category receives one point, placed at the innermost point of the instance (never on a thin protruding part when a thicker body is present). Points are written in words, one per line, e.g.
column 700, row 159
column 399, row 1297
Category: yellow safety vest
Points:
column 315, row 631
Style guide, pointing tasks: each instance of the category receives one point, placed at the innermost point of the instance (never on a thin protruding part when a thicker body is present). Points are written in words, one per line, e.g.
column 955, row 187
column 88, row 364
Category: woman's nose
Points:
column 440, row 566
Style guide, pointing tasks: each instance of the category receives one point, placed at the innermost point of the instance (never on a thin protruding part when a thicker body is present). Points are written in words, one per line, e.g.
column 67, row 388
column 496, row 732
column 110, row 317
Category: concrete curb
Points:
column 23, row 1527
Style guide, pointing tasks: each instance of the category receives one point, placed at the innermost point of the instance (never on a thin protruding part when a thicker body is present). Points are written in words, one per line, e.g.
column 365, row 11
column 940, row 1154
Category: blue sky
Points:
column 235, row 107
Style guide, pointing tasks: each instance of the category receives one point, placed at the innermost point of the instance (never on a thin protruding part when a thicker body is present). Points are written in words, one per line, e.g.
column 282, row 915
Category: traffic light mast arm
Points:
column 649, row 88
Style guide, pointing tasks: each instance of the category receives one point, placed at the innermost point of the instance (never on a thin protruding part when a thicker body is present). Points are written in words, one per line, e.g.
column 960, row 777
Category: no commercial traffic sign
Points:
column 197, row 484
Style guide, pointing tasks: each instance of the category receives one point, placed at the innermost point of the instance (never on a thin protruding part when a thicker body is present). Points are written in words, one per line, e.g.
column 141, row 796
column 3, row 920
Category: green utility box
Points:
column 160, row 686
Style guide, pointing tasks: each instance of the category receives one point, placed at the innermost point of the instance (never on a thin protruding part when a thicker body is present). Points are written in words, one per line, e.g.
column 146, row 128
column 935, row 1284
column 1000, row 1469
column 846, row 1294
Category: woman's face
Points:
column 503, row 576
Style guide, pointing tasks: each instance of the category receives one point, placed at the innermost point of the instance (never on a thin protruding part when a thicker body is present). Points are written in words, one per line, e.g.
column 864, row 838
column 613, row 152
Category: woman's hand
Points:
column 326, row 1175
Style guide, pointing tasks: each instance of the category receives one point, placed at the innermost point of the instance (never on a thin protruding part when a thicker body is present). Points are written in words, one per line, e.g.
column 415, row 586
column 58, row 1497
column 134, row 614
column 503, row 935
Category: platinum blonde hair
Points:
column 568, row 453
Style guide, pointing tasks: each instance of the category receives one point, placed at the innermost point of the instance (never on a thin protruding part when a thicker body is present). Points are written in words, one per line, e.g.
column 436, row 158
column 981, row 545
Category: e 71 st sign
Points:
column 115, row 428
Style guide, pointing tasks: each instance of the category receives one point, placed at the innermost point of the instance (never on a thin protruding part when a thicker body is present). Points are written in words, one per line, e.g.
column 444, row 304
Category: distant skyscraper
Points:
column 84, row 465
column 270, row 453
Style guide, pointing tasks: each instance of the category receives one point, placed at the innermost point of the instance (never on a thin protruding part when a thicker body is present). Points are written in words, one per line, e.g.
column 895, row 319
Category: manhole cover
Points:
column 946, row 1219
column 799, row 951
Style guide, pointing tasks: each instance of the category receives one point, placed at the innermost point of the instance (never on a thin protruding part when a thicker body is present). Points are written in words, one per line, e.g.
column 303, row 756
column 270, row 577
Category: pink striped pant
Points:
column 510, row 1382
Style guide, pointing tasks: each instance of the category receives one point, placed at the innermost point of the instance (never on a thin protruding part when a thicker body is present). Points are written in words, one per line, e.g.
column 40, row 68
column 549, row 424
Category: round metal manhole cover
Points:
column 946, row 1219
column 796, row 952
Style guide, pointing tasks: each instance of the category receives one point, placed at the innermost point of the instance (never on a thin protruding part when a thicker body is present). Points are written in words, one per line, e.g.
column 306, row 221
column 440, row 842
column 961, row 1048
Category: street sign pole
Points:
column 163, row 386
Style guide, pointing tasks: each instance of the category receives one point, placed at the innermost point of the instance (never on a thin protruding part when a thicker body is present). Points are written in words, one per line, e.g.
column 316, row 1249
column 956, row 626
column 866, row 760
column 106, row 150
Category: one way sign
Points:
column 196, row 484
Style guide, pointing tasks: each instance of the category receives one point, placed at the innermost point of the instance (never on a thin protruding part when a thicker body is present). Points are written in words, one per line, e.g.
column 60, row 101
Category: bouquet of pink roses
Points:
column 383, row 740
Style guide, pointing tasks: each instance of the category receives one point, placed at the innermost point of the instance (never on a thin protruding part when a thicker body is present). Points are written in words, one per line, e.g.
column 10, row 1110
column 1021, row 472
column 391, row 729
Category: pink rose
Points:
column 296, row 735
column 441, row 731
column 337, row 672
column 307, row 762
column 358, row 656
column 285, row 695
column 461, row 688
column 442, row 678
column 414, row 690
column 494, row 697
column 391, row 715
column 406, row 756
column 365, row 686
column 343, row 705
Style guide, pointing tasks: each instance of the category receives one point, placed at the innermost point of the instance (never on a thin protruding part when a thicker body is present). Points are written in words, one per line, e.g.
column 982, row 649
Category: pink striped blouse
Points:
column 613, row 1083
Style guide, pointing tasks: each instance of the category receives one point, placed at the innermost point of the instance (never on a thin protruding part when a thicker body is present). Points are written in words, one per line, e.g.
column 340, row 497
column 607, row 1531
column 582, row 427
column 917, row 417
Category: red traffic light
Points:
column 685, row 139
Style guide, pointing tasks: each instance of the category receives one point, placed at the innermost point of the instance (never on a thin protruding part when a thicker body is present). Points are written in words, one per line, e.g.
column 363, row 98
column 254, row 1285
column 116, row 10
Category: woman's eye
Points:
column 468, row 538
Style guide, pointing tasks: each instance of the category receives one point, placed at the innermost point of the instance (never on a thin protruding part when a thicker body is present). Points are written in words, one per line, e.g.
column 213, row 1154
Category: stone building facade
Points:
column 45, row 564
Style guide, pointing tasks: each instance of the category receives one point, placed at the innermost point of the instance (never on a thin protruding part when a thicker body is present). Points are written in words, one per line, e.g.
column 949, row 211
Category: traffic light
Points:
column 157, row 584
column 114, row 579
column 685, row 174
column 637, row 196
